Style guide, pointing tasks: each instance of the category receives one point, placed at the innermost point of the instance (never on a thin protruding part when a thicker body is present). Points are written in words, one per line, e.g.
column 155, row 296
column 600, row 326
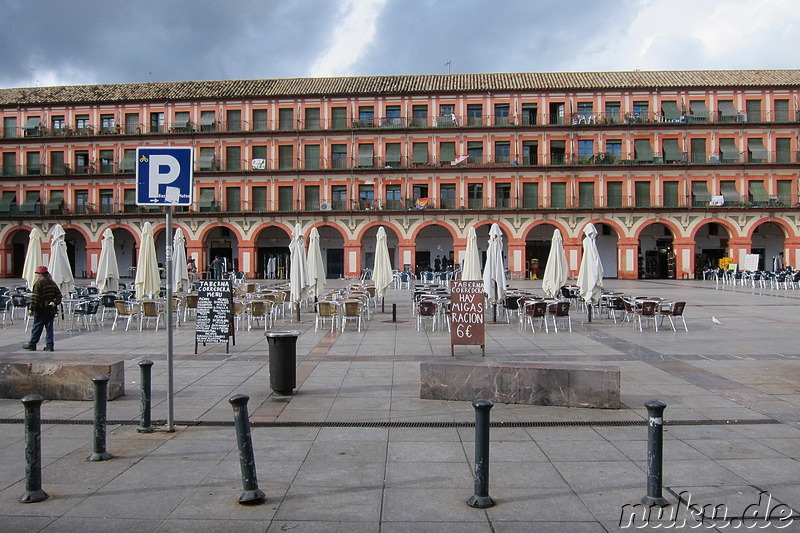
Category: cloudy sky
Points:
column 56, row 42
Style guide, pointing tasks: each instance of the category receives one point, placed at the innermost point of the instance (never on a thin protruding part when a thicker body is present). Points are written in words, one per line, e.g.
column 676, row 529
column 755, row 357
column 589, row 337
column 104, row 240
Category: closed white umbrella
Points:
column 472, row 260
column 590, row 276
column 180, row 271
column 107, row 269
column 59, row 266
column 316, row 269
column 33, row 257
column 556, row 271
column 298, row 273
column 382, row 271
column 148, row 280
column 494, row 275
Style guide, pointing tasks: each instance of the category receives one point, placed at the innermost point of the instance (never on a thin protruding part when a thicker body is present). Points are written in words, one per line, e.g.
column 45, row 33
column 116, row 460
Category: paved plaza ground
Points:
column 355, row 449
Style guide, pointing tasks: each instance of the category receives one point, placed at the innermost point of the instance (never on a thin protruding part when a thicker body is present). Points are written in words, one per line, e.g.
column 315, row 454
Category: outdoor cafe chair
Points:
column 535, row 310
column 259, row 310
column 190, row 305
column 326, row 311
column 151, row 310
column 427, row 309
column 674, row 310
column 107, row 303
column 352, row 310
column 126, row 310
column 559, row 310
column 86, row 312
column 647, row 310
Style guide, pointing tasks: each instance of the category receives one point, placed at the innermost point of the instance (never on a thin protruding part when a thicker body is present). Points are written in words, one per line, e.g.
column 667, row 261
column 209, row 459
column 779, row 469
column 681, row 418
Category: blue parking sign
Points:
column 164, row 175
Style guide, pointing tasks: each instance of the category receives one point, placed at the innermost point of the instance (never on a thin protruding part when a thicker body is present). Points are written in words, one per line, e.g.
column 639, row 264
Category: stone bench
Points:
column 59, row 376
column 568, row 385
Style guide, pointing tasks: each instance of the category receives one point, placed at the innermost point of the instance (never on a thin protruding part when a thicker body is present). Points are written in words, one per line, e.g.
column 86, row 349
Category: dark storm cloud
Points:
column 419, row 36
column 107, row 41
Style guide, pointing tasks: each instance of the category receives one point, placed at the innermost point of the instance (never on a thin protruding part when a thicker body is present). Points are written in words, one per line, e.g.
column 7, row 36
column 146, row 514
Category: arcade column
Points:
column 628, row 258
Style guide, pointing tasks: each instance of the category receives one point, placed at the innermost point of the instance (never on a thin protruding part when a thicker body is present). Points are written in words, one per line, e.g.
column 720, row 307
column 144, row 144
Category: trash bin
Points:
column 282, row 361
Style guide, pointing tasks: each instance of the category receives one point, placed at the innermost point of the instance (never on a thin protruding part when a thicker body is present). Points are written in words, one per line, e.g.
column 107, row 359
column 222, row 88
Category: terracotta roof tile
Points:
column 376, row 85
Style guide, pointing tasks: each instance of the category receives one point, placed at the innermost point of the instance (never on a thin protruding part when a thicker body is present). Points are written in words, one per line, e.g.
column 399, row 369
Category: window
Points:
column 58, row 124
column 727, row 188
column 558, row 152
column 208, row 121
column 311, row 197
column 55, row 206
column 642, row 191
column 9, row 127
column 447, row 152
column 726, row 111
column 82, row 202
column 260, row 120
column 286, row 198
column 670, row 193
column 420, row 154
column 234, row 120
column 32, row 163
column 57, row 163
column 233, row 199
column 393, row 199
column 585, row 150
column 206, row 159
column 558, row 194
column 206, row 202
column 586, row 194
column 502, row 152
column 33, row 204
column 366, row 117
column 447, row 116
column 501, row 114
column 585, row 111
column 338, row 156
column 285, row 157
column 475, row 152
column 312, row 118
column 393, row 118
column 642, row 151
column 9, row 164
column 33, row 127
column 311, row 158
column 106, row 200
column 641, row 111
column 756, row 153
column 670, row 111
column 81, row 162
column 420, row 115
column 672, row 152
column 339, row 197
column 393, row 155
column 475, row 195
column 530, row 195
column 556, row 113
column 502, row 195
column 700, row 194
column 233, row 158
column 728, row 152
column 530, row 153
column 132, row 123
column 107, row 124
column 128, row 160
column 699, row 111
column 614, row 194
column 181, row 122
column 475, row 114
column 82, row 124
column 259, row 158
column 420, row 191
column 447, row 196
column 783, row 150
column 613, row 111
column 106, row 161
column 785, row 192
column 366, row 196
column 338, row 118
column 156, row 122
column 781, row 111
column 698, row 147
column 753, row 111
column 614, row 147
column 259, row 202
column 529, row 114
column 129, row 200
column 366, row 155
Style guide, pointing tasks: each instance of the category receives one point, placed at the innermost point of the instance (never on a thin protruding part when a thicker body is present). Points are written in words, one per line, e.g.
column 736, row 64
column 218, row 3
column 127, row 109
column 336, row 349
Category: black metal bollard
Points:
column 655, row 448
column 100, row 403
column 481, row 498
column 33, row 450
column 146, row 367
column 252, row 495
column 394, row 312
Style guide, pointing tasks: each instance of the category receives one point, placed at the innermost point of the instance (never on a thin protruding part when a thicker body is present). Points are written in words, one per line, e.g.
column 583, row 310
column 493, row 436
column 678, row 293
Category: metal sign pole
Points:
column 170, row 404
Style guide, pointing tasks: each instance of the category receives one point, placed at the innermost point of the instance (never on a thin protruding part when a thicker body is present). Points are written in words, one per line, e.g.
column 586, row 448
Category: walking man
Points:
column 44, row 305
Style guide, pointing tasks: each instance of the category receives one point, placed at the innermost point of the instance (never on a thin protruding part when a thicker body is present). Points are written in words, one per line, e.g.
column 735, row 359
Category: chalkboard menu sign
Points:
column 214, row 308
column 466, row 315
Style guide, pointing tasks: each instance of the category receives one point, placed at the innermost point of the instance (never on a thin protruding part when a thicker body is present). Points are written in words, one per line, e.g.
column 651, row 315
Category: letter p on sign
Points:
column 164, row 175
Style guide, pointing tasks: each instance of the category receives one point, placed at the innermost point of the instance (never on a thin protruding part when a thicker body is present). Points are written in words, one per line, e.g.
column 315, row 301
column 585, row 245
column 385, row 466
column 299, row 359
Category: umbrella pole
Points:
column 383, row 304
column 590, row 311
column 297, row 311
